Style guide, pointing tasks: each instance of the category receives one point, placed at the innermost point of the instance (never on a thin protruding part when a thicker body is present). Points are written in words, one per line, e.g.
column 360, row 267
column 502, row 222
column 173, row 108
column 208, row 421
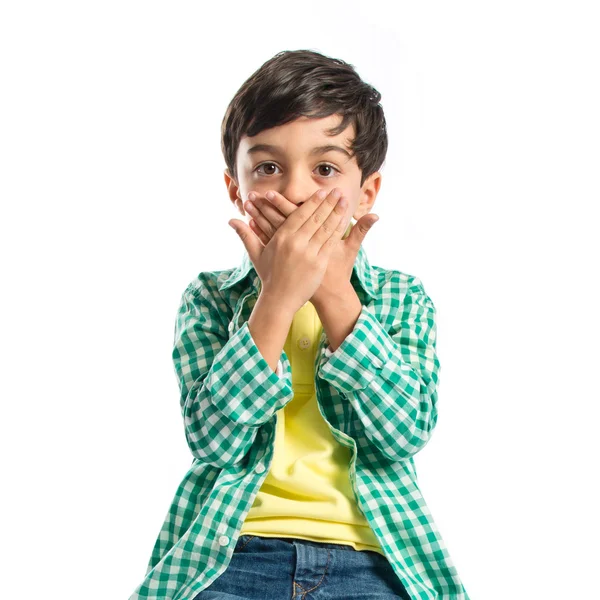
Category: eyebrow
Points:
column 317, row 150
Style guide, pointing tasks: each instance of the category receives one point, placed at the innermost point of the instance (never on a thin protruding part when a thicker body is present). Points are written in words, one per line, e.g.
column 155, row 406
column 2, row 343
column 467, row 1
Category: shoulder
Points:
column 207, row 283
column 204, row 292
column 398, row 286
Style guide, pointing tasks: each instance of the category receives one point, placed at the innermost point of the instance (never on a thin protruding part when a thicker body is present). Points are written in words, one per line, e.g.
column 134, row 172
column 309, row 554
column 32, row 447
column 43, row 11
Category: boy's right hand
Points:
column 292, row 265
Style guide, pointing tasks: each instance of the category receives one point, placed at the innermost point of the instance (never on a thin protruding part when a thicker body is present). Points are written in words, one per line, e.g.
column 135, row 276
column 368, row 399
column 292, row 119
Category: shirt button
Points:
column 304, row 343
column 260, row 468
column 223, row 540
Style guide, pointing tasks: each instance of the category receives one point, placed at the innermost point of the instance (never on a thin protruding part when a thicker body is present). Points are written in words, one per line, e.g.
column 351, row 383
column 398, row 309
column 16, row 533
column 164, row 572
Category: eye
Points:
column 271, row 164
column 265, row 164
column 329, row 167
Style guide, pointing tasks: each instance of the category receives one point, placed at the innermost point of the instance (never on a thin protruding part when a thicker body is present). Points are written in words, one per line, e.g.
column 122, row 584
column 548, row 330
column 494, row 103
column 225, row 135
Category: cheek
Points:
column 350, row 195
column 352, row 204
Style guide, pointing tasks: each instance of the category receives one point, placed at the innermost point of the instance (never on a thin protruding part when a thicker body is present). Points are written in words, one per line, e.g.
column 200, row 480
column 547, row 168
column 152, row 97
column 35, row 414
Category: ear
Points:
column 234, row 191
column 368, row 194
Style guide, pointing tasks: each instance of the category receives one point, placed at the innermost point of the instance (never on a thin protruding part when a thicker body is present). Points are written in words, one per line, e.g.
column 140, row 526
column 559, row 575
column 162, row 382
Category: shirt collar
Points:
column 363, row 270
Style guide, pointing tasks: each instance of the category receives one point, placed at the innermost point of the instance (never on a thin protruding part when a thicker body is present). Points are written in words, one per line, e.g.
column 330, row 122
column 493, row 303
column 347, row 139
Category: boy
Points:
column 303, row 480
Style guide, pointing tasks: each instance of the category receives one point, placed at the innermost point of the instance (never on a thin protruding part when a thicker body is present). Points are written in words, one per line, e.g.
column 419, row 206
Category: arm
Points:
column 338, row 313
column 269, row 325
column 389, row 375
column 227, row 389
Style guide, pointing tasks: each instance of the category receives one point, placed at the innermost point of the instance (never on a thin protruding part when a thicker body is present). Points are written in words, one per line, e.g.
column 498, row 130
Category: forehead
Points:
column 301, row 135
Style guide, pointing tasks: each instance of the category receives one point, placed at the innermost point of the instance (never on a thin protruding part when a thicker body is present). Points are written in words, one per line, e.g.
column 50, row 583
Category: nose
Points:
column 298, row 189
column 295, row 195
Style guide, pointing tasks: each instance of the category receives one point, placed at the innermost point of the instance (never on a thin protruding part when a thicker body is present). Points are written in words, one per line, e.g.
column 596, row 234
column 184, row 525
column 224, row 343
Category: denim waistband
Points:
column 291, row 540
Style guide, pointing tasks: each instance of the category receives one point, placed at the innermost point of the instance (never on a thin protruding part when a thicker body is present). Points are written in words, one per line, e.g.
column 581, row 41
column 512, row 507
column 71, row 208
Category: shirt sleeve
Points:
column 391, row 377
column 227, row 389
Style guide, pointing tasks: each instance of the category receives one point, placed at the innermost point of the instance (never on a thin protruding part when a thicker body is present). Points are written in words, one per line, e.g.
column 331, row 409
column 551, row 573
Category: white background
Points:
column 113, row 200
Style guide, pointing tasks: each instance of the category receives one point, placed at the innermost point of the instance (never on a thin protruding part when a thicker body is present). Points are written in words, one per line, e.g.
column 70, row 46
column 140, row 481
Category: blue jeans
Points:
column 264, row 568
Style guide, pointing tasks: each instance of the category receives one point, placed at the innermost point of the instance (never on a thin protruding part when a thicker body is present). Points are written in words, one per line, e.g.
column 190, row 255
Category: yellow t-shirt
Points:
column 307, row 493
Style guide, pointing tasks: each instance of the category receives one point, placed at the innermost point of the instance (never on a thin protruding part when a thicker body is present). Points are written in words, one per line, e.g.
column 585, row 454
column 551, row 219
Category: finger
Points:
column 264, row 239
column 302, row 217
column 264, row 225
column 333, row 227
column 280, row 202
column 360, row 230
column 319, row 219
column 268, row 217
column 249, row 239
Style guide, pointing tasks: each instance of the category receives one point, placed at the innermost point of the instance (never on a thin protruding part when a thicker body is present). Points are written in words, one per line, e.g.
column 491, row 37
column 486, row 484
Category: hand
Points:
column 268, row 215
column 293, row 263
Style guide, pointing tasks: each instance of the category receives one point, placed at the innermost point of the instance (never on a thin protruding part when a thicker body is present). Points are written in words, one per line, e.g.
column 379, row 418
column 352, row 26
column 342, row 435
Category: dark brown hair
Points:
column 296, row 83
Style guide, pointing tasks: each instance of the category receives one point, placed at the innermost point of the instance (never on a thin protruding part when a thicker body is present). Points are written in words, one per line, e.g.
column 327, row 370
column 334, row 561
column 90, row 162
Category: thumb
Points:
column 249, row 238
column 361, row 228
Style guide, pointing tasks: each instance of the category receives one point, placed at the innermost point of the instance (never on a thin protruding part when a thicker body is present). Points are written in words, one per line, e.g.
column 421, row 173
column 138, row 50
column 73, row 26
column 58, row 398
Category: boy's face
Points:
column 291, row 168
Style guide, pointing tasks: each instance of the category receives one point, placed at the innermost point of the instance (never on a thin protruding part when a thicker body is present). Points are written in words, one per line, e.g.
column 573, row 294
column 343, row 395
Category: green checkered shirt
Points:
column 377, row 391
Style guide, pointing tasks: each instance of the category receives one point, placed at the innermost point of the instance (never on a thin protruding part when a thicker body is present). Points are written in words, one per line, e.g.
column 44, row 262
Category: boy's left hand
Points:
column 268, row 215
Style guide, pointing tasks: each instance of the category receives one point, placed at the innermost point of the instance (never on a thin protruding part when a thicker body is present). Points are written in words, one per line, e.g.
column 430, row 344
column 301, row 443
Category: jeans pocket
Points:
column 242, row 542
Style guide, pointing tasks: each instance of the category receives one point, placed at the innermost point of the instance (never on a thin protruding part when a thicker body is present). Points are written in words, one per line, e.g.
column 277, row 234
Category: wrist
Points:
column 276, row 304
column 336, row 296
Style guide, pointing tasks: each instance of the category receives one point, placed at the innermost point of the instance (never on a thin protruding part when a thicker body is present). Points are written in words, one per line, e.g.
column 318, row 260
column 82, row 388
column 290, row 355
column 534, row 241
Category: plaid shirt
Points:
column 377, row 391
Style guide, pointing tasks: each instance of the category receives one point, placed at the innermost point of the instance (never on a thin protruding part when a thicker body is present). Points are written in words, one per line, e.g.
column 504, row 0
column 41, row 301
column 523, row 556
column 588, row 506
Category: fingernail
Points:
column 270, row 195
